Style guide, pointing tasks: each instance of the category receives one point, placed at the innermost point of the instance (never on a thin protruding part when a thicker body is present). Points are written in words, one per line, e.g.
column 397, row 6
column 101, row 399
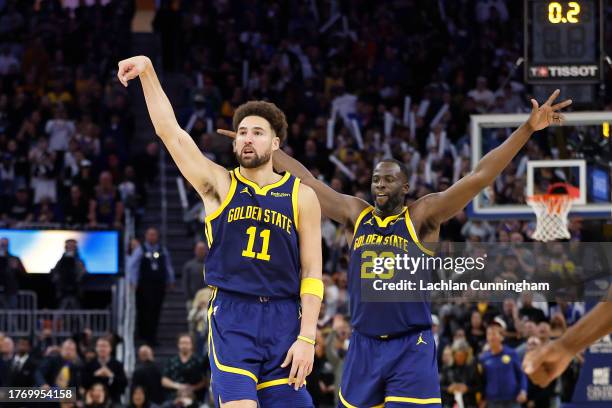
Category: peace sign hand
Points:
column 547, row 114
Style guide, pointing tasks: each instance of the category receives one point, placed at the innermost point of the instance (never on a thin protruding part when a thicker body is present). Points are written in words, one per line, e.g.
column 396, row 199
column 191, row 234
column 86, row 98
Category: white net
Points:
column 551, row 211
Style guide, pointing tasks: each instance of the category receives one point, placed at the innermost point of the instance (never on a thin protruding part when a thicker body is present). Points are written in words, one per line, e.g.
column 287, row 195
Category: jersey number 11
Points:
column 265, row 236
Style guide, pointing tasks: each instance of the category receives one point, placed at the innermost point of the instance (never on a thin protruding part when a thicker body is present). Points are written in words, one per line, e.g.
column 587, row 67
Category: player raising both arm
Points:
column 264, row 234
column 404, row 372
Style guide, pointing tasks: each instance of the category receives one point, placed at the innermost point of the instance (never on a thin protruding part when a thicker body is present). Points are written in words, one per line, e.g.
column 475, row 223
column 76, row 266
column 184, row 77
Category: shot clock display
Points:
column 563, row 41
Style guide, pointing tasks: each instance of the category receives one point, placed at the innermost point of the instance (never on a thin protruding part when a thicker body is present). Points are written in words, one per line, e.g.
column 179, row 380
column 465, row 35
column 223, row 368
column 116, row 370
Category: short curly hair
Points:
column 266, row 110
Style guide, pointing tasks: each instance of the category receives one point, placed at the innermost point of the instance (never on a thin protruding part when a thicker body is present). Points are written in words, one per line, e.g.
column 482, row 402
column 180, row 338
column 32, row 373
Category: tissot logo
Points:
column 564, row 71
column 275, row 194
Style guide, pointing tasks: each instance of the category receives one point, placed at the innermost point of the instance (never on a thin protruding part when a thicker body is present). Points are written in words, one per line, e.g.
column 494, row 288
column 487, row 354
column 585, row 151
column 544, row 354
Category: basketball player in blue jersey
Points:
column 391, row 360
column 264, row 262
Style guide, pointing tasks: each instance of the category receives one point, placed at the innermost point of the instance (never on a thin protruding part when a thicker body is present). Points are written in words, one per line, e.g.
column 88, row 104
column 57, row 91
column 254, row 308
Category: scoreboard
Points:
column 563, row 41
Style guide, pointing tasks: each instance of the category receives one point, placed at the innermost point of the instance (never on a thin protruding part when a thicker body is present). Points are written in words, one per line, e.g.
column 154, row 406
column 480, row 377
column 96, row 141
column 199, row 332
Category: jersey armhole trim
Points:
column 225, row 201
column 294, row 202
column 414, row 236
column 363, row 213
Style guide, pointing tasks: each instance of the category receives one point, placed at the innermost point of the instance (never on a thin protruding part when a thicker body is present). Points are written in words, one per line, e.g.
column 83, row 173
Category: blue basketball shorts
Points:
column 397, row 372
column 248, row 340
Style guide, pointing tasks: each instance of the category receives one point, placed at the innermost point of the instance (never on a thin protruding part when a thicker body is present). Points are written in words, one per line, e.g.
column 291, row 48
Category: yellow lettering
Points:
column 230, row 214
column 266, row 215
column 279, row 220
column 249, row 212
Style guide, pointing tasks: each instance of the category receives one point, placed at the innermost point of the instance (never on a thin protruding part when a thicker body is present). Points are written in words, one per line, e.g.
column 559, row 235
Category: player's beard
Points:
column 255, row 161
column 393, row 201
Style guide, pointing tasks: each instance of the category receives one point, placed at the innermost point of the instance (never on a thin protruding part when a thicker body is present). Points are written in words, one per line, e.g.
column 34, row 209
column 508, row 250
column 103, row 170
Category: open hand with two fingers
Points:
column 547, row 114
column 132, row 67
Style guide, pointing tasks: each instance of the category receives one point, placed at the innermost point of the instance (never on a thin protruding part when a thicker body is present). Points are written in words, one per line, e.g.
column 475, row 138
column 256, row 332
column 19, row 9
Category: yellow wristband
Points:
column 306, row 339
column 312, row 286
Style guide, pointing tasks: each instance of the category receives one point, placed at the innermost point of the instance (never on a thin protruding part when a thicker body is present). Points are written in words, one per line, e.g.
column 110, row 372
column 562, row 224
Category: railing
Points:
column 124, row 303
column 27, row 300
column 62, row 323
column 17, row 322
column 65, row 323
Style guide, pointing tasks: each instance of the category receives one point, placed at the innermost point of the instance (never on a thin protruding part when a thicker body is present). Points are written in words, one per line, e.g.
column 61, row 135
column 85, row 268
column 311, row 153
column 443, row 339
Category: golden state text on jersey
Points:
column 253, row 239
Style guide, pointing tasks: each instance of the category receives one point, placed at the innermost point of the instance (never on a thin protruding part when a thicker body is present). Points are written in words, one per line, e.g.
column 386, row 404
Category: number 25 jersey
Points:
column 253, row 239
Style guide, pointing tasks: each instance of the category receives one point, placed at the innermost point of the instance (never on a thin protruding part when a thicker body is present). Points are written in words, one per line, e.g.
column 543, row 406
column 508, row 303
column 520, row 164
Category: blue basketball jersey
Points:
column 380, row 319
column 253, row 239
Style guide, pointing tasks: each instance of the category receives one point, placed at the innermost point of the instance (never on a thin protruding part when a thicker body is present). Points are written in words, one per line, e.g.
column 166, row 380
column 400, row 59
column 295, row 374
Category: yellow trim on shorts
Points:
column 261, row 190
column 415, row 238
column 274, row 383
column 347, row 405
column 294, row 201
column 360, row 218
column 211, row 346
column 411, row 400
column 383, row 223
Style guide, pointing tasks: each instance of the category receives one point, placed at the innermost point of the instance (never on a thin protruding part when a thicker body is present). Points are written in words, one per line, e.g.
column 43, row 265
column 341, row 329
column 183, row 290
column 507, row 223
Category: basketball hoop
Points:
column 551, row 211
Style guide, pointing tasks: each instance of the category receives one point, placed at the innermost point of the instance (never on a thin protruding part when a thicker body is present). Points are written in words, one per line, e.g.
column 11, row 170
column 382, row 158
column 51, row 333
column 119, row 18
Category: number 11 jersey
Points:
column 253, row 239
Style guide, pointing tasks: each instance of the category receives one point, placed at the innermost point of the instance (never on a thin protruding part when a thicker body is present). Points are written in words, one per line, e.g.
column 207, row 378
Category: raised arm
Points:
column 437, row 208
column 341, row 208
column 207, row 177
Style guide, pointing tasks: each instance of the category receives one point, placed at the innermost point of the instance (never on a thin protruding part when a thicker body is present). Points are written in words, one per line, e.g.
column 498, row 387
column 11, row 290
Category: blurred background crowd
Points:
column 68, row 158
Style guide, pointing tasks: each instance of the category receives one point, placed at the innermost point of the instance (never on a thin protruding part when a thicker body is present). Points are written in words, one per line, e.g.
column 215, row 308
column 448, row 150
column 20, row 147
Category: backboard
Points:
column 579, row 153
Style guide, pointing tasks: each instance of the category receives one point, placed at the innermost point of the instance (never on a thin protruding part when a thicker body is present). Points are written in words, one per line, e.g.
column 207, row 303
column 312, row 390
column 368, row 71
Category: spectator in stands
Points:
column 60, row 130
column 43, row 171
column 186, row 370
column 22, row 366
column 557, row 325
column 97, row 397
column 150, row 272
column 139, row 399
column 529, row 310
column 85, row 342
column 528, row 329
column 198, row 320
column 105, row 207
column 67, row 276
column 460, row 379
column 7, row 352
column 106, row 371
column 19, row 209
column 147, row 164
column 504, row 383
column 60, row 369
column 336, row 347
column 476, row 334
column 321, row 381
column 147, row 375
column 538, row 397
column 76, row 209
column 194, row 273
column 511, row 318
column 11, row 271
column 185, row 398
